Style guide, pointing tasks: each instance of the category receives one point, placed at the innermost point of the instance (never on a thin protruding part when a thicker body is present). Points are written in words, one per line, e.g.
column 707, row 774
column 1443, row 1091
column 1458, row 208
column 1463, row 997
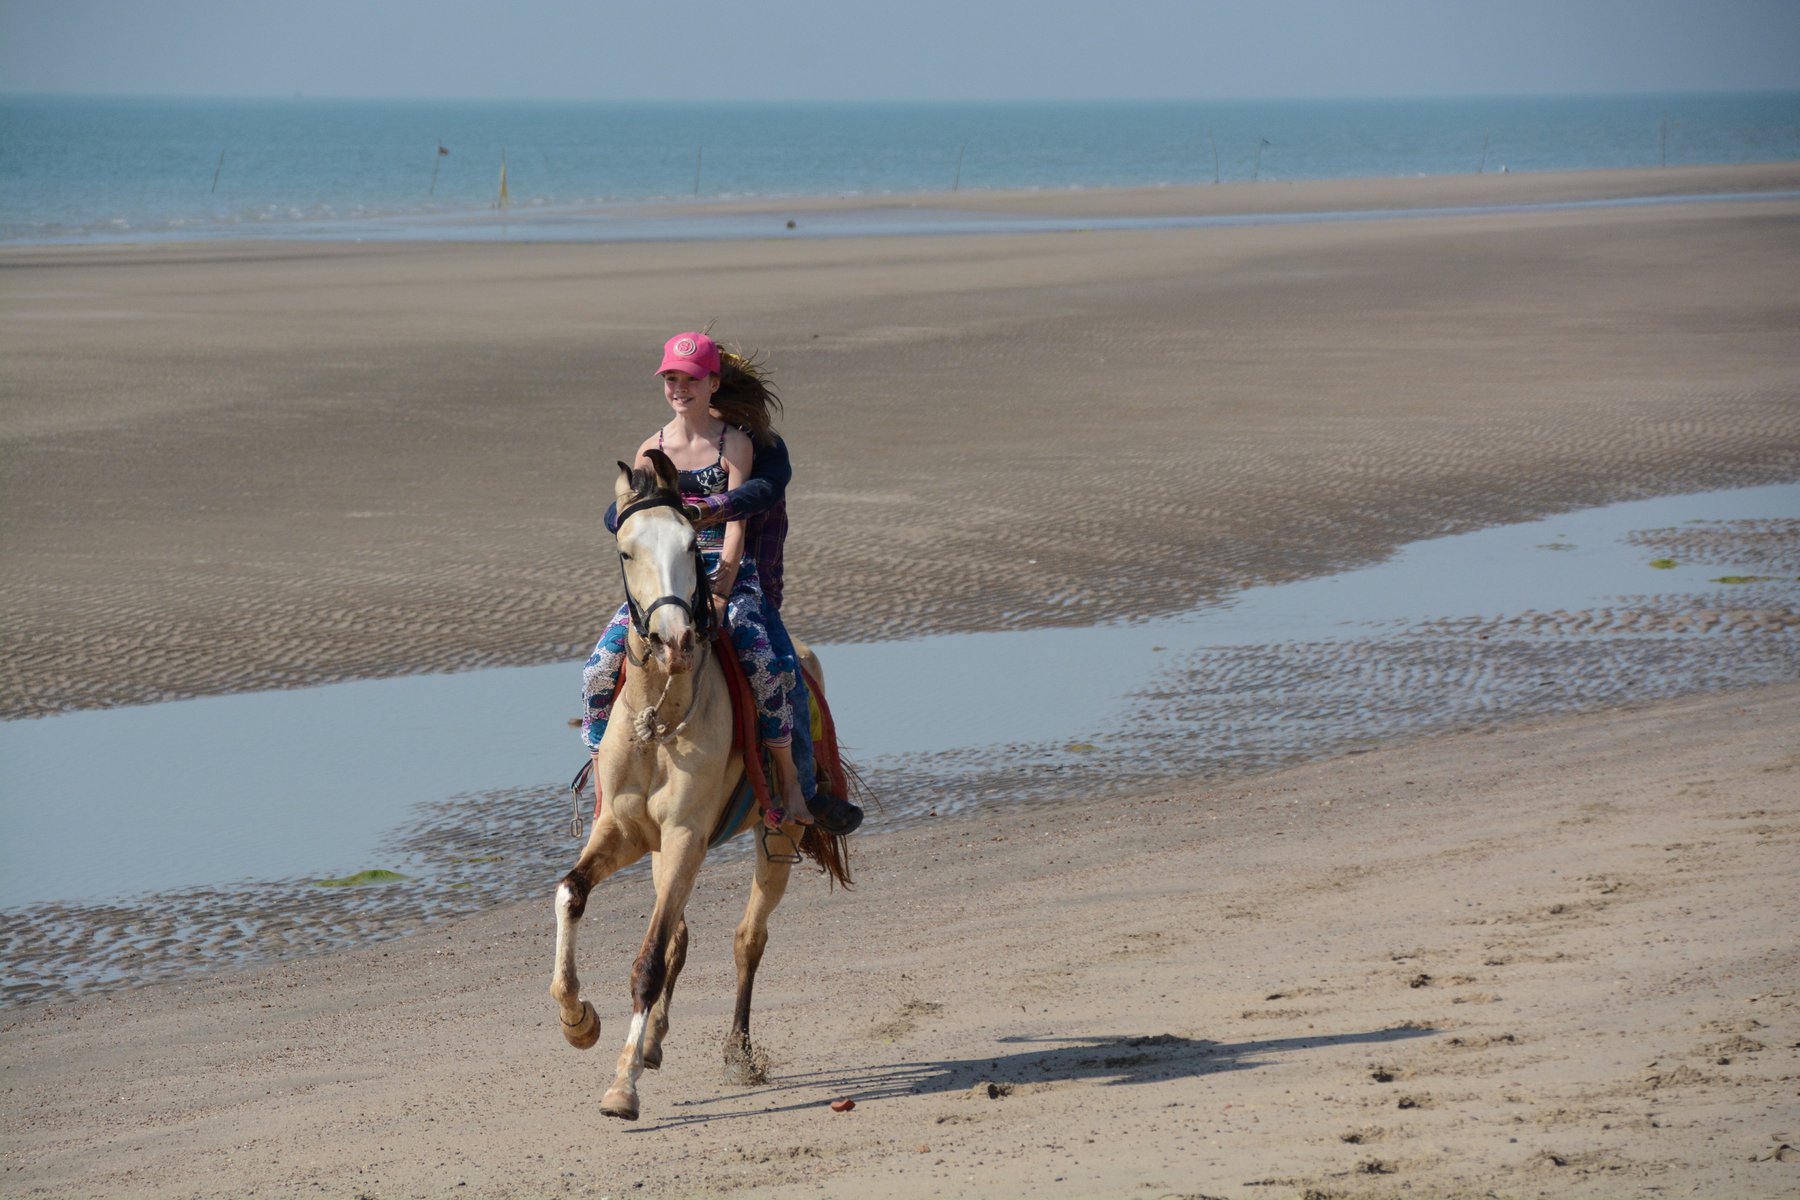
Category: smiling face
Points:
column 687, row 393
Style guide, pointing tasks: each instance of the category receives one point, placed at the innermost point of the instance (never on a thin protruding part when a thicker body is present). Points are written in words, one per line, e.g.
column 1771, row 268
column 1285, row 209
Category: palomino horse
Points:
column 665, row 772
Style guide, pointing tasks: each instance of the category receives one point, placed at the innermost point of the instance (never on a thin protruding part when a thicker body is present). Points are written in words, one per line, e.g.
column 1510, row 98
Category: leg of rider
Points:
column 771, row 678
column 798, row 699
column 600, row 678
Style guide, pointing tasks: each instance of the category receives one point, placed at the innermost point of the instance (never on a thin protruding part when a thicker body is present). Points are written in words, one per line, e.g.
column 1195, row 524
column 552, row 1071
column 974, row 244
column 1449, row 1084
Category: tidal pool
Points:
column 434, row 775
column 308, row 782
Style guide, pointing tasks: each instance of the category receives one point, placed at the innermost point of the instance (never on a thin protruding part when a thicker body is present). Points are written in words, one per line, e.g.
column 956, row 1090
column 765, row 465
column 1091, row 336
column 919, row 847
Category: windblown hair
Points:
column 746, row 396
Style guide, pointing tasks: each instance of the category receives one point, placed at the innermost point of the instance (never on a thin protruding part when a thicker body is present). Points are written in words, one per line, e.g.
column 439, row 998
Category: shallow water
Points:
column 151, row 841
column 85, row 168
column 309, row 782
column 700, row 222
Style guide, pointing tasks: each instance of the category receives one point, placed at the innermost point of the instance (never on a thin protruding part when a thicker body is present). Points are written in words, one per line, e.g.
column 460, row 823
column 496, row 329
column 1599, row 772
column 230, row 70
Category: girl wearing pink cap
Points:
column 712, row 457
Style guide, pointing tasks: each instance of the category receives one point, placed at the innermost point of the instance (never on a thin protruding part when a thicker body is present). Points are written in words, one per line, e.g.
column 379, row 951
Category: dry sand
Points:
column 1550, row 959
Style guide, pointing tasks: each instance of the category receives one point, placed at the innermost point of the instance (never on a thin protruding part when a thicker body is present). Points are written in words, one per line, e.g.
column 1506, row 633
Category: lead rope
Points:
column 647, row 728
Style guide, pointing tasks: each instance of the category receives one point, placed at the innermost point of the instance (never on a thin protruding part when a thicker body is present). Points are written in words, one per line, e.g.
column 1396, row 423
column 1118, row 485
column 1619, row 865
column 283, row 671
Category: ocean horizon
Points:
column 104, row 169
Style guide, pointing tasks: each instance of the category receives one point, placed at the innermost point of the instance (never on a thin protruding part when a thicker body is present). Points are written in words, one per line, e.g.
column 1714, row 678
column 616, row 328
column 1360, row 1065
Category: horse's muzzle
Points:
column 675, row 655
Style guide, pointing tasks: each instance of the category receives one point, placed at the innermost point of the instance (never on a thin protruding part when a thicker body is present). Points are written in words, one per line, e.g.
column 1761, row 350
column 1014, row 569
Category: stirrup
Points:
column 577, row 789
column 790, row 855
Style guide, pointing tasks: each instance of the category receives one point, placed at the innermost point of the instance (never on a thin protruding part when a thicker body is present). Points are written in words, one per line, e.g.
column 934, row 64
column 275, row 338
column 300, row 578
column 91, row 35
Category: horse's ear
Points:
column 664, row 468
column 622, row 490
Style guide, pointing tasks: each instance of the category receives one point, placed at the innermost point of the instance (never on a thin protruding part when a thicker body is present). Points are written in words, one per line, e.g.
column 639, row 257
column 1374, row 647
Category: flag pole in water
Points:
column 956, row 184
column 1482, row 169
column 502, row 200
column 1215, row 150
column 436, row 160
column 698, row 151
column 1256, row 174
column 216, row 170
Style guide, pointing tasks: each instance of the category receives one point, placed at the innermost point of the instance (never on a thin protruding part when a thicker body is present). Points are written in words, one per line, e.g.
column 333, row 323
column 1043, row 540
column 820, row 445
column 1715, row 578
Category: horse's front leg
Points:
column 678, row 865
column 608, row 850
column 766, row 889
column 674, row 958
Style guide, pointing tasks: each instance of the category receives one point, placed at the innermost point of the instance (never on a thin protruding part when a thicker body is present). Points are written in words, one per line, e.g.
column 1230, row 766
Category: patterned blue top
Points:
column 711, row 480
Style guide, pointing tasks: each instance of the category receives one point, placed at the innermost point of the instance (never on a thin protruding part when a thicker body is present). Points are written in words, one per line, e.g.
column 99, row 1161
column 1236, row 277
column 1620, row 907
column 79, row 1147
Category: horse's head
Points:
column 665, row 588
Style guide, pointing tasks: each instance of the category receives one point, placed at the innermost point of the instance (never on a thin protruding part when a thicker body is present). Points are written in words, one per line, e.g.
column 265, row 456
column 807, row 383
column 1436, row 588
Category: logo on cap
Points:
column 685, row 346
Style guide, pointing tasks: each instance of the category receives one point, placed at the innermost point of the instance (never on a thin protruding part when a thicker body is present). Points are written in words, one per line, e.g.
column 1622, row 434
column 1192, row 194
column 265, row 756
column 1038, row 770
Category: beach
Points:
column 1538, row 955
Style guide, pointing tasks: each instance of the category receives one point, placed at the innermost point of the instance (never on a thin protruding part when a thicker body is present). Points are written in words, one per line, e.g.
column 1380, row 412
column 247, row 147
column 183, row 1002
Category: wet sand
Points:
column 233, row 467
column 1534, row 959
column 1549, row 960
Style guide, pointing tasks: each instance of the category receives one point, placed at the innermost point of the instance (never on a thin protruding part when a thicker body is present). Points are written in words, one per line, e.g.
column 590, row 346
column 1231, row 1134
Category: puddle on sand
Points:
column 229, row 808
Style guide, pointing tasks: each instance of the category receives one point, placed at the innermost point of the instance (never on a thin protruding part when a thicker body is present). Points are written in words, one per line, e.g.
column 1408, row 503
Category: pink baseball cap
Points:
column 692, row 354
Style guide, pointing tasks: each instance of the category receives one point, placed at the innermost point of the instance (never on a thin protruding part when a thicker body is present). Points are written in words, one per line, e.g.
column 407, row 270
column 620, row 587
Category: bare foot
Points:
column 793, row 800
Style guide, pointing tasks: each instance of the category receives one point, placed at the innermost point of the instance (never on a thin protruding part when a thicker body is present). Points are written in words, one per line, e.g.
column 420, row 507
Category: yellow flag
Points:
column 504, row 200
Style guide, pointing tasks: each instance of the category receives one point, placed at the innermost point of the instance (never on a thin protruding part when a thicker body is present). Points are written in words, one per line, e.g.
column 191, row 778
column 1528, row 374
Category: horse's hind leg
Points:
column 679, row 863
column 766, row 889
column 607, row 851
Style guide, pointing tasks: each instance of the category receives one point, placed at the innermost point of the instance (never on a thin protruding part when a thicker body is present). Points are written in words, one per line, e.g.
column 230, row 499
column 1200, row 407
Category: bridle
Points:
column 698, row 607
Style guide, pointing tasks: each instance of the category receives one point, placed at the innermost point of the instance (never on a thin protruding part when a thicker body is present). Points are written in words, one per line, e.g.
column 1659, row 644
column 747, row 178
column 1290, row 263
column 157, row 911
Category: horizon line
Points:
column 12, row 94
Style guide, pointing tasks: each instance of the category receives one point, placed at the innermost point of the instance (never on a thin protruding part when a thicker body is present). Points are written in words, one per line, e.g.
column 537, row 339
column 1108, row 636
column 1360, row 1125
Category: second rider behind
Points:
column 743, row 402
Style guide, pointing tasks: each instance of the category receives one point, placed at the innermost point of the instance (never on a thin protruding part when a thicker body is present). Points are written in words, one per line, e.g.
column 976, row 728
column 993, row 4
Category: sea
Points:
column 109, row 169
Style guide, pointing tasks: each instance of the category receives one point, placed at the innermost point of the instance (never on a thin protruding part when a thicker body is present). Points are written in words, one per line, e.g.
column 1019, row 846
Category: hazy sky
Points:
column 896, row 49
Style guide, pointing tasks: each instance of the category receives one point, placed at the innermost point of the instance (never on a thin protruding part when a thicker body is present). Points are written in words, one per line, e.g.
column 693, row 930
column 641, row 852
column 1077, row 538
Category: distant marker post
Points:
column 956, row 182
column 216, row 170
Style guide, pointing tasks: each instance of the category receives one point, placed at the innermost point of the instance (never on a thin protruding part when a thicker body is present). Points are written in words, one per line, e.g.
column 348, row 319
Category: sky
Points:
column 875, row 50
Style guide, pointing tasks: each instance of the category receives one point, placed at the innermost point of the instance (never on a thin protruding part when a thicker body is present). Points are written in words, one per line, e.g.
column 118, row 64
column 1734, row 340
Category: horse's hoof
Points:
column 585, row 1032
column 621, row 1104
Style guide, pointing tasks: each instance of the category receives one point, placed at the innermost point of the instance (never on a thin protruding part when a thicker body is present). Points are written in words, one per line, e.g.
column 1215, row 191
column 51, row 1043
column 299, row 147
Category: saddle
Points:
column 753, row 786
column 745, row 739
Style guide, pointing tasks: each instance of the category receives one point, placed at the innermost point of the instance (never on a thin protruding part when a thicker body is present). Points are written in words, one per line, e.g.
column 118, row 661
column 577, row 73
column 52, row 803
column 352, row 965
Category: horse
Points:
column 665, row 773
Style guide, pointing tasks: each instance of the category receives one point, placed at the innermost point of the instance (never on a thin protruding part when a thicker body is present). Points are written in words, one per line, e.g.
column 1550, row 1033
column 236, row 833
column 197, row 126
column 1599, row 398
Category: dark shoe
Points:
column 834, row 814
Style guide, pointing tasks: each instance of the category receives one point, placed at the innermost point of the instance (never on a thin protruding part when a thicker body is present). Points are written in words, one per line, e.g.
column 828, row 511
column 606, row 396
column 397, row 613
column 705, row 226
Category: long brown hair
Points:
column 746, row 396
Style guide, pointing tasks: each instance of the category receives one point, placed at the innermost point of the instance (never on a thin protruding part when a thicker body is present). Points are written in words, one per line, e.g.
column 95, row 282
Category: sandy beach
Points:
column 239, row 466
column 1547, row 954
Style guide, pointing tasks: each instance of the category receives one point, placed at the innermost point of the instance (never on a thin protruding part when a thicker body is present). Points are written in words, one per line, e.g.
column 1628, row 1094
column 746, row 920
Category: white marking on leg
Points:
column 565, row 938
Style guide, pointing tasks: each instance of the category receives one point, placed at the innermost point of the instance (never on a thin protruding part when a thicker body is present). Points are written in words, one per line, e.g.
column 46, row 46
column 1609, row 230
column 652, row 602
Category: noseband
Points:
column 698, row 607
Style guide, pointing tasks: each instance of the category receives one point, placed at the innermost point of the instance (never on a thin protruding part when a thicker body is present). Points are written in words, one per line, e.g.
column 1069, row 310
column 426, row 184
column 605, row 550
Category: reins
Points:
column 645, row 724
column 698, row 607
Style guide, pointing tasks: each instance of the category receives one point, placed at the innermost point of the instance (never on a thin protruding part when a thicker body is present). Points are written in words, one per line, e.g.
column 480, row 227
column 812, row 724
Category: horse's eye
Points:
column 692, row 541
column 624, row 557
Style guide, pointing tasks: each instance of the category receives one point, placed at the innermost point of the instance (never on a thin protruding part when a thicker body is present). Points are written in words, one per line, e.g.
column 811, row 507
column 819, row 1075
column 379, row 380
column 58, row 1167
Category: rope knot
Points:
column 648, row 727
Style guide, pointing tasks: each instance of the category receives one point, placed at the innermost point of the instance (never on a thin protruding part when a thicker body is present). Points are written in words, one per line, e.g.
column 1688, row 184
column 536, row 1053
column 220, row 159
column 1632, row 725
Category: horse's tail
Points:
column 831, row 851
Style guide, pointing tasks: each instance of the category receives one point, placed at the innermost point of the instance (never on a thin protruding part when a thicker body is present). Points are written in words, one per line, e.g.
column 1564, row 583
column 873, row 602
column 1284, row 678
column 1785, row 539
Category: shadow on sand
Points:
column 1109, row 1060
